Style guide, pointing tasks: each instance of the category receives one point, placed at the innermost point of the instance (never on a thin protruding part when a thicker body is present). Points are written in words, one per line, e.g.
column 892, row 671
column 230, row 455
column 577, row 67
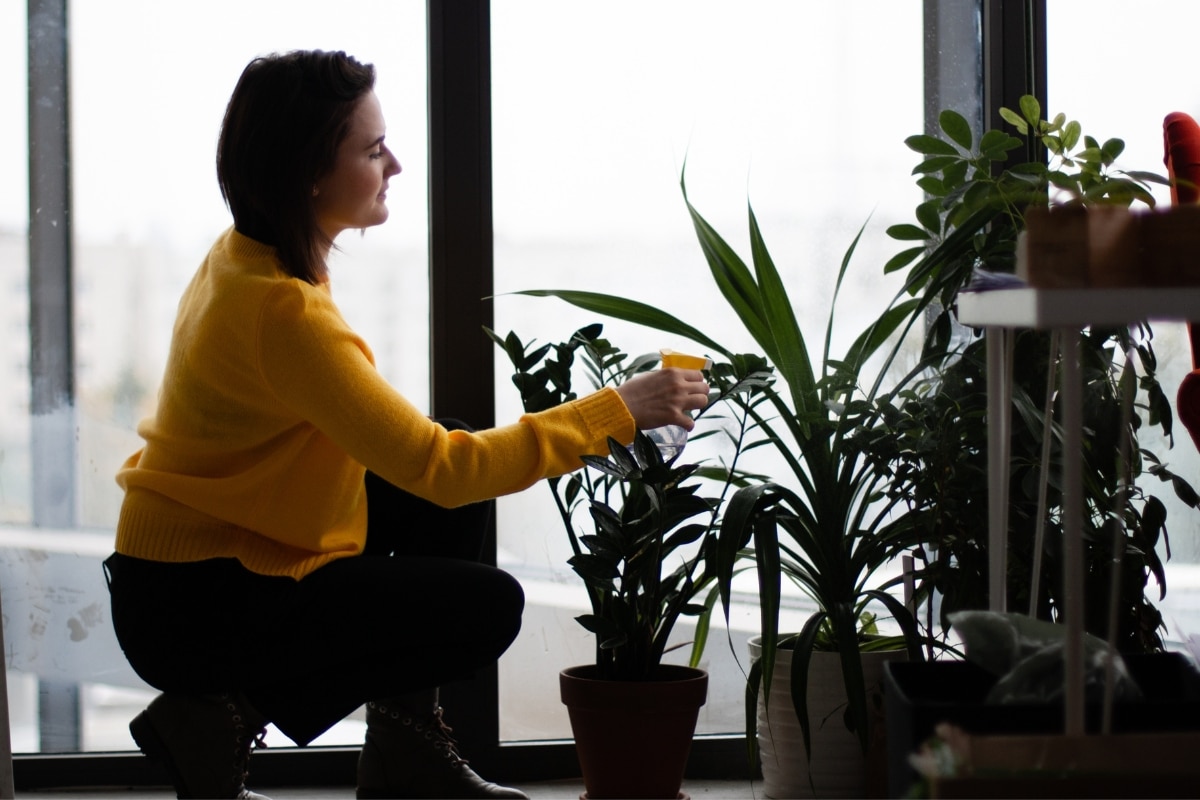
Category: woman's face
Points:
column 353, row 194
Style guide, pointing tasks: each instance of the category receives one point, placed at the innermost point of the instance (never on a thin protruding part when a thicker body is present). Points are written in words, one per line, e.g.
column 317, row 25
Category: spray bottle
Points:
column 671, row 438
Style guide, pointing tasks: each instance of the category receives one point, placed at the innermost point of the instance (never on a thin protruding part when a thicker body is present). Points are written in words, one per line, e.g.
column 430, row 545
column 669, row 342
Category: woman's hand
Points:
column 665, row 397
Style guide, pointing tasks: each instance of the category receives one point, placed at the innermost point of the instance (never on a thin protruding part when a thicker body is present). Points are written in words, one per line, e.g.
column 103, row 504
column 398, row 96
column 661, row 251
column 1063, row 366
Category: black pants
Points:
column 414, row 611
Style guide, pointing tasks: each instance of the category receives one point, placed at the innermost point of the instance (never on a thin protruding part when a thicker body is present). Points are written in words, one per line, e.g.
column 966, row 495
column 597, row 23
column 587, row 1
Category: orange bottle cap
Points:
column 671, row 358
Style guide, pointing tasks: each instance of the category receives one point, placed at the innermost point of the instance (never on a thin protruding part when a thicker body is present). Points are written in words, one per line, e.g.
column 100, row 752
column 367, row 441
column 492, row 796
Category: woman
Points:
column 296, row 539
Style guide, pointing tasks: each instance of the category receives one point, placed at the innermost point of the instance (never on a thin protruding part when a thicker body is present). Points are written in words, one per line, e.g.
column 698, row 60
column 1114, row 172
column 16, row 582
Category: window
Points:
column 801, row 108
column 1111, row 97
column 14, row 274
column 148, row 86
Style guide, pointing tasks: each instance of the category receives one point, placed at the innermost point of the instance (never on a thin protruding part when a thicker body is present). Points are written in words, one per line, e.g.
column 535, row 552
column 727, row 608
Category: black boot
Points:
column 204, row 742
column 413, row 755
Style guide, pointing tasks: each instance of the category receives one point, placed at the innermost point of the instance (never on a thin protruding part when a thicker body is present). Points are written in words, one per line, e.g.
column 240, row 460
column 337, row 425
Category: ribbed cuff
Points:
column 604, row 414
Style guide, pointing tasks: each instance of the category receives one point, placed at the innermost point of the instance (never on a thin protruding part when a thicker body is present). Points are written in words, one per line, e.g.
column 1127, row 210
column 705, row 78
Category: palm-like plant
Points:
column 827, row 526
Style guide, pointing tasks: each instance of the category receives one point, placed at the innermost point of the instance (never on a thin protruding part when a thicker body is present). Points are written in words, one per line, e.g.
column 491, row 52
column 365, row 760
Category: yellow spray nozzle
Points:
column 672, row 358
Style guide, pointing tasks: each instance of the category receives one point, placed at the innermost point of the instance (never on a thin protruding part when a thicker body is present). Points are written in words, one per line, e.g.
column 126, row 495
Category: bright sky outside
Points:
column 158, row 74
column 142, row 75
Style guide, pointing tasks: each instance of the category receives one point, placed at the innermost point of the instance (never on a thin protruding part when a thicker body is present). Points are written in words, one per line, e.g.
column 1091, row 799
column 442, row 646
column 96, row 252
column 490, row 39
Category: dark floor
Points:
column 554, row 790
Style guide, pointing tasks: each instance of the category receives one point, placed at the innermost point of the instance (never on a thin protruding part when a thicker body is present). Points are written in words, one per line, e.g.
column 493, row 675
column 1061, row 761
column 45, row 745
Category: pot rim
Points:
column 680, row 673
column 755, row 643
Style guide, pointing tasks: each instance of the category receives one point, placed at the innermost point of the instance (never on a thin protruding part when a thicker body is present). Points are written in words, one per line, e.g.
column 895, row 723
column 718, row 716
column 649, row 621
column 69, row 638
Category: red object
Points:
column 1181, row 153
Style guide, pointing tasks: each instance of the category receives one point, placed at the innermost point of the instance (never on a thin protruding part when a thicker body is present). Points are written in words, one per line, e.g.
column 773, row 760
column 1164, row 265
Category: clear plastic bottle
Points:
column 671, row 438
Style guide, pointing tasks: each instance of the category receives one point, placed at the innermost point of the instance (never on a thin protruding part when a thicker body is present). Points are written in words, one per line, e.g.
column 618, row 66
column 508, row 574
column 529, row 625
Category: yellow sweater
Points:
column 270, row 411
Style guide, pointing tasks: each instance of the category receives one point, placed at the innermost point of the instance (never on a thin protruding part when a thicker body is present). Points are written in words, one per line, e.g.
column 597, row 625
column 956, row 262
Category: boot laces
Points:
column 440, row 734
column 245, row 743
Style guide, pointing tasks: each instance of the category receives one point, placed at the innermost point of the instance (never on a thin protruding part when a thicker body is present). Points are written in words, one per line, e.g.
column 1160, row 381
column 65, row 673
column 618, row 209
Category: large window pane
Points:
column 1110, row 97
column 149, row 83
column 800, row 107
column 14, row 272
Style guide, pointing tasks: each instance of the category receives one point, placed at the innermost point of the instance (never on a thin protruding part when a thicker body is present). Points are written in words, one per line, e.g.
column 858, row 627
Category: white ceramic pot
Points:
column 838, row 767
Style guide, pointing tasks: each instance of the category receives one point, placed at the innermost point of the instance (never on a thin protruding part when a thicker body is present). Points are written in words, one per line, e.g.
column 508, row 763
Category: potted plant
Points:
column 644, row 565
column 930, row 439
column 827, row 525
column 931, row 436
column 824, row 524
column 834, row 428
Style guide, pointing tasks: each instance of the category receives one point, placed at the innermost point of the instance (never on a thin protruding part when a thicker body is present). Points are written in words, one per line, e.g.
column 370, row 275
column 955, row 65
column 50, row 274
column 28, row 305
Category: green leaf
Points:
column 928, row 214
column 1147, row 177
column 955, row 126
column 907, row 232
column 737, row 528
column 1091, row 154
column 1112, row 150
column 787, row 347
column 753, row 682
column 936, row 164
column 933, row 186
column 631, row 311
column 593, row 569
column 1014, row 119
column 703, row 624
column 870, row 340
column 598, row 624
column 930, row 145
column 902, row 259
column 1070, row 135
column 1063, row 180
column 734, row 280
column 684, row 536
column 995, row 145
column 798, row 679
column 1031, row 109
column 955, row 174
column 1028, row 168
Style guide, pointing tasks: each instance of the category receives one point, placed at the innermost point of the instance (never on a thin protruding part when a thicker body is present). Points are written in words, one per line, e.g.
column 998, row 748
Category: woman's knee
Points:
column 510, row 599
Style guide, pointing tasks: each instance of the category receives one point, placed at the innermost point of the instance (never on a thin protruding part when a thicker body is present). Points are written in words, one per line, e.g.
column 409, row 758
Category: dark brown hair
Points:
column 283, row 125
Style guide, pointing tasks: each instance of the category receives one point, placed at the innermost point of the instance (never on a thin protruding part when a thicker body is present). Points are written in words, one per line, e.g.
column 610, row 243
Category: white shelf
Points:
column 1026, row 307
column 1066, row 311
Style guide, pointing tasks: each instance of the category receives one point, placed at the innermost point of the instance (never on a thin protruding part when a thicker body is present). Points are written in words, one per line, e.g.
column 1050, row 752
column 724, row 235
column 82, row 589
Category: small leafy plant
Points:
column 978, row 190
column 652, row 532
column 930, row 436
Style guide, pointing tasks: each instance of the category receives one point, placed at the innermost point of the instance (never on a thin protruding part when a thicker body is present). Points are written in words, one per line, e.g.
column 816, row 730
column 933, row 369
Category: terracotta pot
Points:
column 1172, row 241
column 1053, row 249
column 1114, row 248
column 838, row 767
column 633, row 737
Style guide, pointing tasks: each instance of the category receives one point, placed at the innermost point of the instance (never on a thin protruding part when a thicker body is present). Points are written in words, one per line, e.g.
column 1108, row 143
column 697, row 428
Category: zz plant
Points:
column 645, row 562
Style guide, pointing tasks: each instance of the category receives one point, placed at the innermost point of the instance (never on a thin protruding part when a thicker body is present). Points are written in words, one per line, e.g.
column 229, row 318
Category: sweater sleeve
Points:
column 321, row 370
